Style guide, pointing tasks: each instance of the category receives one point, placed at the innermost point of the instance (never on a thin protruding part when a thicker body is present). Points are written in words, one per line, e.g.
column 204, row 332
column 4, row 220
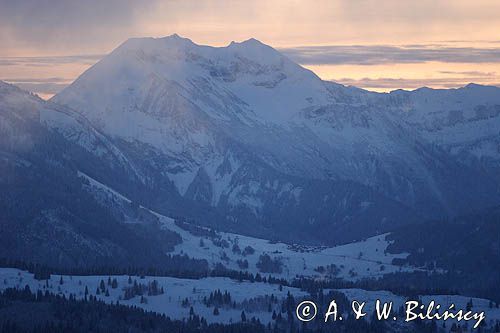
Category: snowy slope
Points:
column 45, row 214
column 18, row 117
column 352, row 261
column 464, row 121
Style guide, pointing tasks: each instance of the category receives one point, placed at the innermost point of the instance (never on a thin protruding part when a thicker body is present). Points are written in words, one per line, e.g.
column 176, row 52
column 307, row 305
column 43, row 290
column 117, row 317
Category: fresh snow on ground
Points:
column 355, row 260
column 170, row 303
column 176, row 290
column 370, row 297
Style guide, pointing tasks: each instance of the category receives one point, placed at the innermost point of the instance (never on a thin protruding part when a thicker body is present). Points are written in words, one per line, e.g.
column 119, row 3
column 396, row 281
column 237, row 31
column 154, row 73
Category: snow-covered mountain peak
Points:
column 251, row 41
column 3, row 85
column 178, row 38
column 168, row 46
column 256, row 50
column 14, row 98
column 7, row 88
column 150, row 44
column 248, row 79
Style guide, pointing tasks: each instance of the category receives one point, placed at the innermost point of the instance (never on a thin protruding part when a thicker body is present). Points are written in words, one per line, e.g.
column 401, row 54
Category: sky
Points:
column 377, row 45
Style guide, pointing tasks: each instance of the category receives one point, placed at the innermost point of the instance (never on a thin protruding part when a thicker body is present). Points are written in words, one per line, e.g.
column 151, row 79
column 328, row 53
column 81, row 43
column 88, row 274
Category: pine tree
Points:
column 469, row 305
column 243, row 316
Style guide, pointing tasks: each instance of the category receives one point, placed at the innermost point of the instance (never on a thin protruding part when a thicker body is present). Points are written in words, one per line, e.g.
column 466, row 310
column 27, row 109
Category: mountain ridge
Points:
column 249, row 136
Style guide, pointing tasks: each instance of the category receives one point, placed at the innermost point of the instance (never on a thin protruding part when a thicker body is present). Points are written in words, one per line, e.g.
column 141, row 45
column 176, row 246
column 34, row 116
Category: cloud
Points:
column 36, row 80
column 50, row 85
column 389, row 54
column 470, row 73
column 87, row 59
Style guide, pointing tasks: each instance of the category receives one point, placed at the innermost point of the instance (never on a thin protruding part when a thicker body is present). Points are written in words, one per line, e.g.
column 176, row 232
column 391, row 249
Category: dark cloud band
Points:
column 88, row 59
column 389, row 54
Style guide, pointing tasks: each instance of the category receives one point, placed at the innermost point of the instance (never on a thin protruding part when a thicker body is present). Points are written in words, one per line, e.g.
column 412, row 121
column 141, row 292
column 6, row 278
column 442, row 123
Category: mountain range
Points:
column 242, row 139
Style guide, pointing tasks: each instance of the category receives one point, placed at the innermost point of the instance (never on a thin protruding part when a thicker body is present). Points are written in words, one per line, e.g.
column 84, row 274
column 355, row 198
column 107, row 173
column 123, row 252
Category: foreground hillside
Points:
column 185, row 305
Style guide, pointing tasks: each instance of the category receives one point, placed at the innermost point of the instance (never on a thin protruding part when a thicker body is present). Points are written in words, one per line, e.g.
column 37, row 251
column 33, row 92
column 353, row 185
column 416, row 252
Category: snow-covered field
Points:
column 169, row 303
column 353, row 261
column 253, row 298
column 492, row 313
